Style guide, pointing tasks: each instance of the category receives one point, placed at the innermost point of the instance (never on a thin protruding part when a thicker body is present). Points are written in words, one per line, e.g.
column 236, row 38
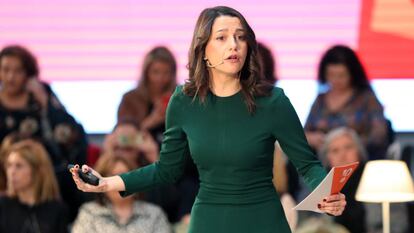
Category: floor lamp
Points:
column 385, row 181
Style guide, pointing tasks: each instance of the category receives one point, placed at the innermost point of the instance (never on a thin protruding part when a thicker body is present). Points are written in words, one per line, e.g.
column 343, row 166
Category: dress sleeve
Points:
column 288, row 131
column 174, row 150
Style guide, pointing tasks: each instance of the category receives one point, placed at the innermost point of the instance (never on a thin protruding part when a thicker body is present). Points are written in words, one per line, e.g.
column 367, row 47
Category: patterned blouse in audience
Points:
column 349, row 101
column 111, row 213
column 145, row 218
column 363, row 113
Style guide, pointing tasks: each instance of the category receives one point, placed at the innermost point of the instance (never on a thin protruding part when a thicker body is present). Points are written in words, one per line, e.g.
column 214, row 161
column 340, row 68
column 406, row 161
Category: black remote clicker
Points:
column 86, row 177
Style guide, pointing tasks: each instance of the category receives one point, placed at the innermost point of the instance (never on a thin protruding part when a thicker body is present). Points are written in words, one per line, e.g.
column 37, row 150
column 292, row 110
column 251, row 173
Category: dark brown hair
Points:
column 27, row 59
column 267, row 61
column 344, row 55
column 198, row 83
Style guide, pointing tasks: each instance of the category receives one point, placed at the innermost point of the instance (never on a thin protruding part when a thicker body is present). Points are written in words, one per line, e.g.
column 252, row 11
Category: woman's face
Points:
column 18, row 172
column 342, row 150
column 227, row 47
column 159, row 76
column 13, row 76
column 113, row 196
column 338, row 77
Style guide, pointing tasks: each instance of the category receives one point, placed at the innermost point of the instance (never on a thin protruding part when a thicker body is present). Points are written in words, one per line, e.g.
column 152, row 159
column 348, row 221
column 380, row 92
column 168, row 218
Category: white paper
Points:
column 310, row 203
column 326, row 187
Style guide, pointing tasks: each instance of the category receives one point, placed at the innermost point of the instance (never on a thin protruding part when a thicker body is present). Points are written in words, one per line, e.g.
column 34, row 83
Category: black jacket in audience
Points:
column 48, row 217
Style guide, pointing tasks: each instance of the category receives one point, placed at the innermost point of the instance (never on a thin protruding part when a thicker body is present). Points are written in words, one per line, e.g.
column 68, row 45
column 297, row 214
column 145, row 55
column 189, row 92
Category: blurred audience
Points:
column 320, row 225
column 280, row 176
column 146, row 104
column 349, row 101
column 7, row 142
column 32, row 203
column 346, row 124
column 29, row 108
column 343, row 146
column 128, row 141
column 267, row 62
column 112, row 213
column 138, row 146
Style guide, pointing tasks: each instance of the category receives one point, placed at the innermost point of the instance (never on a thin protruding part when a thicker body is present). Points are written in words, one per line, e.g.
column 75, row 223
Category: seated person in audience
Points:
column 146, row 104
column 31, row 109
column 343, row 146
column 280, row 182
column 267, row 61
column 349, row 101
column 136, row 145
column 5, row 146
column 320, row 225
column 112, row 213
column 32, row 203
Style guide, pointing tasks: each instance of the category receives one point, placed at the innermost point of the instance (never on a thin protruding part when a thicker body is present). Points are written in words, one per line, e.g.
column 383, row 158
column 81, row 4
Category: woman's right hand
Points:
column 85, row 187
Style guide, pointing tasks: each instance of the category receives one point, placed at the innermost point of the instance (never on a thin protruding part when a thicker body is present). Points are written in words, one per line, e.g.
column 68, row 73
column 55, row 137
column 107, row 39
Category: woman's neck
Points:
column 123, row 203
column 123, row 210
column 26, row 197
column 224, row 85
column 16, row 101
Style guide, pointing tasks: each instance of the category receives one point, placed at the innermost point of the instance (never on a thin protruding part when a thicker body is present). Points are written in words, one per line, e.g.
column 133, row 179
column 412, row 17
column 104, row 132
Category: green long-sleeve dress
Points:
column 233, row 151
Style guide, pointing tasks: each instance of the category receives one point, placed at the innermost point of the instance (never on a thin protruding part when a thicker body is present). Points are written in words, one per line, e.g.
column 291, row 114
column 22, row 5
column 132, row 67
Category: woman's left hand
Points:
column 333, row 204
column 38, row 90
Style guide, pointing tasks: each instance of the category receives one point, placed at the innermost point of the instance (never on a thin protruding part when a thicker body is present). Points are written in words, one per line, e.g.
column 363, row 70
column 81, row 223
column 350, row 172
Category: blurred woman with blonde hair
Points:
column 147, row 102
column 32, row 203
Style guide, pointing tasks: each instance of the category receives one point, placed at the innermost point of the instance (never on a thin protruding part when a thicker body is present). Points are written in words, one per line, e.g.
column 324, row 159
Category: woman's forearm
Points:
column 114, row 183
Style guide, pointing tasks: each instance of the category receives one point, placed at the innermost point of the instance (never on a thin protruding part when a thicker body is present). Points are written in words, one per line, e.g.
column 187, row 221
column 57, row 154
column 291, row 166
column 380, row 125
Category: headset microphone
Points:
column 212, row 66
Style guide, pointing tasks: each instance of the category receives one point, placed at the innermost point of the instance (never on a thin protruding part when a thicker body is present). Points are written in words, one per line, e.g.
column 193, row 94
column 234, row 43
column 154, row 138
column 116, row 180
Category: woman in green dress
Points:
column 227, row 119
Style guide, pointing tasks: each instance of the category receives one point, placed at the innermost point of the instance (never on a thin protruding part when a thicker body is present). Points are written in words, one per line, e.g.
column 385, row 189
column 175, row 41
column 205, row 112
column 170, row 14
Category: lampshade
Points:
column 385, row 181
